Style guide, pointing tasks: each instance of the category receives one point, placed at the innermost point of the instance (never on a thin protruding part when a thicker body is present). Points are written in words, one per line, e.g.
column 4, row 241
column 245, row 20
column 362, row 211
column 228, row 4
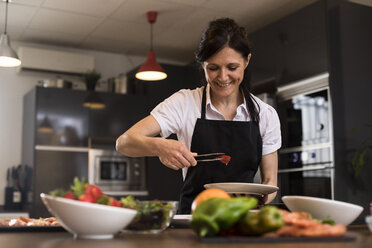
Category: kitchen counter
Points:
column 168, row 239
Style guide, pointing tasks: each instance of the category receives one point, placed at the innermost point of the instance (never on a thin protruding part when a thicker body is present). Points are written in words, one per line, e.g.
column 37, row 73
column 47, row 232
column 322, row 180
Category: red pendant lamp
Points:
column 151, row 70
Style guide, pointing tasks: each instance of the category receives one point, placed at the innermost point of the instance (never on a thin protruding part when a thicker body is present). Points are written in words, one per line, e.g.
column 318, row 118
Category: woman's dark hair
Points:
column 225, row 32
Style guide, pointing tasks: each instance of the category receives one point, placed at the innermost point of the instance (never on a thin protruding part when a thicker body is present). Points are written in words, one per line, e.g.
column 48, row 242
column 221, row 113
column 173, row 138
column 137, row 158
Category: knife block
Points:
column 13, row 199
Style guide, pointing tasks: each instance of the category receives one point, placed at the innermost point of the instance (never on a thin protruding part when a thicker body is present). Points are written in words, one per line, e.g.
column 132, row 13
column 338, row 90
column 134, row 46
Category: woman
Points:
column 223, row 116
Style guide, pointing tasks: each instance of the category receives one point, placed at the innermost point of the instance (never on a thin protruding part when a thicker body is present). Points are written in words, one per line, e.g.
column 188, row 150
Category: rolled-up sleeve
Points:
column 170, row 113
column 270, row 130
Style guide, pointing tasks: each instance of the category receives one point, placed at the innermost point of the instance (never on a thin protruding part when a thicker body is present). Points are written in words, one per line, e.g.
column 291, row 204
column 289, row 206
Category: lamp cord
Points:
column 151, row 37
column 6, row 15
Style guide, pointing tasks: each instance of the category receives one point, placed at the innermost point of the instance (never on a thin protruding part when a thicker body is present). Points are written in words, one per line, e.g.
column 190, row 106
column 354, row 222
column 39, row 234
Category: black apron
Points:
column 240, row 140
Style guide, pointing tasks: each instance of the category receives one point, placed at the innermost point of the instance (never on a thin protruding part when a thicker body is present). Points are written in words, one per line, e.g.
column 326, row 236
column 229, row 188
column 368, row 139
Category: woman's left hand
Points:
column 265, row 199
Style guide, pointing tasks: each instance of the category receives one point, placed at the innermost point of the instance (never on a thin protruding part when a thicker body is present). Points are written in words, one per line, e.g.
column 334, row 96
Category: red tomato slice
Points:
column 225, row 159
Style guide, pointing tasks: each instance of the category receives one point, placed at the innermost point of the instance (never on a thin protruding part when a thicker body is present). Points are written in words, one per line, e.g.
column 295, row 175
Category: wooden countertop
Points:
column 168, row 239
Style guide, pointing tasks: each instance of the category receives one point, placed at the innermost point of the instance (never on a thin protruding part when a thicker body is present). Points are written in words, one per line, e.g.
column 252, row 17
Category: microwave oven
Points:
column 117, row 174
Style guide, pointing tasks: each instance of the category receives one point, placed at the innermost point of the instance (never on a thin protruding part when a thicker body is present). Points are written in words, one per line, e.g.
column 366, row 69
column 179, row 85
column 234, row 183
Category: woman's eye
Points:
column 230, row 68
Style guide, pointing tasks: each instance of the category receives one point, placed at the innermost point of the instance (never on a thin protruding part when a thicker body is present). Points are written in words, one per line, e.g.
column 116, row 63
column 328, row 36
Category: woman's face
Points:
column 224, row 71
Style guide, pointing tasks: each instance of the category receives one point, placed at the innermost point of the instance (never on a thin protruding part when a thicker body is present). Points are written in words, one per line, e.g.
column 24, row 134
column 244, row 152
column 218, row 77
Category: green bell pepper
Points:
column 220, row 214
column 247, row 225
column 266, row 220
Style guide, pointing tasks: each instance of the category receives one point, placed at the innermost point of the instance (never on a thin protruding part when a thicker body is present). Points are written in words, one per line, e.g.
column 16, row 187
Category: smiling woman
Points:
column 221, row 117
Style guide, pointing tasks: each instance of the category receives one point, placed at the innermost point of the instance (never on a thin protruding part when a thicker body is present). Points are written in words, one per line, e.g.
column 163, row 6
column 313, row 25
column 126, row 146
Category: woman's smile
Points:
column 223, row 85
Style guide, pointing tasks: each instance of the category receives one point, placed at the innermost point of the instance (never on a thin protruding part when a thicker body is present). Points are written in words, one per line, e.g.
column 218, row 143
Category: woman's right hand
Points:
column 174, row 154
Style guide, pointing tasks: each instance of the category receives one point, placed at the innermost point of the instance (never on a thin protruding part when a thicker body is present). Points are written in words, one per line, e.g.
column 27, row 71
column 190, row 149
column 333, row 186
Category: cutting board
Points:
column 32, row 229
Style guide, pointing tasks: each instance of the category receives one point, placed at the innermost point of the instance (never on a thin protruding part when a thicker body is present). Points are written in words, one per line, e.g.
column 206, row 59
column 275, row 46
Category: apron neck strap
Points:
column 204, row 100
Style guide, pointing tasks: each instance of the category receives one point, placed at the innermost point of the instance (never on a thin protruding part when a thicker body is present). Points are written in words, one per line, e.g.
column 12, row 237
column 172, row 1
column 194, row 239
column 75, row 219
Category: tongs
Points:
column 209, row 157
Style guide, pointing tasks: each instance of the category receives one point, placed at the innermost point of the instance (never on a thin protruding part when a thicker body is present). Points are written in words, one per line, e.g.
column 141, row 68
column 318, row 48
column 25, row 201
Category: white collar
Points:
column 242, row 107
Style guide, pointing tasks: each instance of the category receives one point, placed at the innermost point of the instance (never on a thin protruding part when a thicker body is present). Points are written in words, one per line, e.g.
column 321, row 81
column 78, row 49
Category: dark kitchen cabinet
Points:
column 121, row 112
column 54, row 169
column 64, row 112
column 72, row 124
column 291, row 49
column 350, row 54
column 59, row 154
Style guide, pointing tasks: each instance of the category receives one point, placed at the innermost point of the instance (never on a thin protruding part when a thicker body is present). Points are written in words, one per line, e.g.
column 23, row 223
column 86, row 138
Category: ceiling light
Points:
column 8, row 57
column 45, row 126
column 151, row 70
column 93, row 101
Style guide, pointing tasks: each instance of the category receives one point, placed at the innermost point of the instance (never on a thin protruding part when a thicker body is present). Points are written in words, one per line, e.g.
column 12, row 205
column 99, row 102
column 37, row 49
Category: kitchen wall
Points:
column 14, row 85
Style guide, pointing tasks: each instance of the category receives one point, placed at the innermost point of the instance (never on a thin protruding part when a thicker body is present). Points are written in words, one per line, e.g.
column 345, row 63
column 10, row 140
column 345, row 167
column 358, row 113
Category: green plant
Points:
column 91, row 78
column 359, row 156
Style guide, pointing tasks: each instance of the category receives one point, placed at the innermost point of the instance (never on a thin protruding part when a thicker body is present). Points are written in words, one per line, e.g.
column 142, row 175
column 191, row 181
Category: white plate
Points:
column 243, row 188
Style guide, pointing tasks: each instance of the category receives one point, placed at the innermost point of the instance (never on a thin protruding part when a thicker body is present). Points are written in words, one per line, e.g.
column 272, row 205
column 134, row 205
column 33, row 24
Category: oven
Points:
column 116, row 174
column 306, row 163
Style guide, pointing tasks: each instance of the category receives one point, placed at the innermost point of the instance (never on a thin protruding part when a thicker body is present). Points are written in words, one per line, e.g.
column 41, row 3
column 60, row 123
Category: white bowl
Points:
column 88, row 220
column 320, row 208
column 369, row 222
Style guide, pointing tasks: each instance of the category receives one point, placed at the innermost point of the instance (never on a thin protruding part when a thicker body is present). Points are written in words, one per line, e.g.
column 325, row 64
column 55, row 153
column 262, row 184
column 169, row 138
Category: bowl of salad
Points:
column 152, row 216
column 86, row 212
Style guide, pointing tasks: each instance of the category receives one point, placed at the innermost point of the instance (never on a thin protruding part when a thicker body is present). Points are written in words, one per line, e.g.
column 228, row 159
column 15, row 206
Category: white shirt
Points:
column 178, row 114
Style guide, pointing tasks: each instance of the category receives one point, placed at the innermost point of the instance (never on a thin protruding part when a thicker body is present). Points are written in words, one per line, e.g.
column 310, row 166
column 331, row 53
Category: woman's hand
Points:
column 174, row 154
column 265, row 199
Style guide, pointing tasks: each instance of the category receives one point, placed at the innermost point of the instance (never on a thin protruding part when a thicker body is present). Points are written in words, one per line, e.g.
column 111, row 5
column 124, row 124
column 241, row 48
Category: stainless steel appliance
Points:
column 306, row 158
column 115, row 173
